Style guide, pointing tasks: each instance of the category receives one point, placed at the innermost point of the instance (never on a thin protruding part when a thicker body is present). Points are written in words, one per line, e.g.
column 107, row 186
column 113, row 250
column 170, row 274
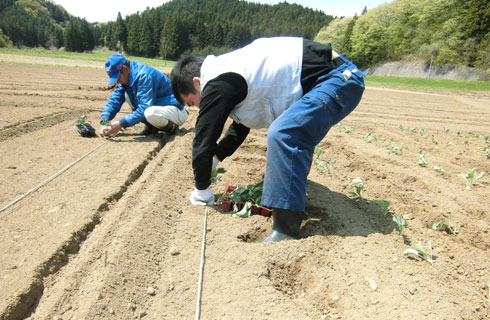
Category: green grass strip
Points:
column 96, row 55
column 420, row 83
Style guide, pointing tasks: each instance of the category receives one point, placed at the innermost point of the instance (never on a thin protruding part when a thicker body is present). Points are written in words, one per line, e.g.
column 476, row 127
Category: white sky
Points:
column 106, row 10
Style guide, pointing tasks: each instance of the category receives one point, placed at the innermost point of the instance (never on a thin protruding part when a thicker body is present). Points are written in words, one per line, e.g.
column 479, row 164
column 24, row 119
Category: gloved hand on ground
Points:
column 202, row 197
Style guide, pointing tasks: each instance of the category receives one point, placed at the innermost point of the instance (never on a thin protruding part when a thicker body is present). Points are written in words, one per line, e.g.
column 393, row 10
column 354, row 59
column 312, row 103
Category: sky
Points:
column 106, row 10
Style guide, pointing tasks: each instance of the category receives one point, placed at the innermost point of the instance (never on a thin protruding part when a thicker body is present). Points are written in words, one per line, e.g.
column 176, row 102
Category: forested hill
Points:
column 453, row 32
column 177, row 26
column 447, row 31
column 32, row 23
column 208, row 25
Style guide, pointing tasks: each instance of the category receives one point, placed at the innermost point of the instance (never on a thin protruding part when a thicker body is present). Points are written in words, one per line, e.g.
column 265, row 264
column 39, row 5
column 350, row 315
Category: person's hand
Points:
column 110, row 130
column 104, row 130
column 202, row 197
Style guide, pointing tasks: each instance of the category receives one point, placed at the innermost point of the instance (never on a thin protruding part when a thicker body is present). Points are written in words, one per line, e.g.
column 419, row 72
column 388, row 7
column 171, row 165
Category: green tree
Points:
column 120, row 33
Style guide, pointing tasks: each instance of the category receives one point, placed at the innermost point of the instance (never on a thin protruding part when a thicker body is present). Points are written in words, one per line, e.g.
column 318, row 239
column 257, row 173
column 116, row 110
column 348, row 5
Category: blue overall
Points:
column 292, row 137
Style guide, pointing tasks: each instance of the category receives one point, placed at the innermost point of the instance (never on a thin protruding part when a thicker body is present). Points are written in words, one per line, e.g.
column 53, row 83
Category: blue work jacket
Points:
column 147, row 87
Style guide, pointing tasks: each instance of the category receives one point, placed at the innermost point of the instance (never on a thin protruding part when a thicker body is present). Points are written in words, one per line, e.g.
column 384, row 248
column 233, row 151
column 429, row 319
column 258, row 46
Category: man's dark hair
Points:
column 181, row 76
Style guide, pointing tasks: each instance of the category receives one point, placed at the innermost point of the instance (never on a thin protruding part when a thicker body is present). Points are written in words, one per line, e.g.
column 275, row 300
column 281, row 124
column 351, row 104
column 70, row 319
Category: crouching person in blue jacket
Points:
column 148, row 93
column 296, row 87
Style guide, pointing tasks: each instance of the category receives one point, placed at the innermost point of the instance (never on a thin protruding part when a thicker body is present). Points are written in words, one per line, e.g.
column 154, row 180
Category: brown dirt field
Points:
column 114, row 236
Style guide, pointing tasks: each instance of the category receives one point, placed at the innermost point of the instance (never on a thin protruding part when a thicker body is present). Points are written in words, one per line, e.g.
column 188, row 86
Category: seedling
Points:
column 348, row 129
column 322, row 165
column 487, row 138
column 252, row 193
column 439, row 170
column 402, row 223
column 486, row 150
column 446, row 130
column 390, row 143
column 466, row 143
column 413, row 129
column 215, row 174
column 359, row 187
column 372, row 136
column 433, row 138
column 397, row 150
column 420, row 252
column 450, row 143
column 470, row 178
column 422, row 131
column 475, row 135
column 422, row 161
column 384, row 205
column 486, row 302
column 105, row 122
column 400, row 127
column 459, row 133
column 245, row 212
column 318, row 152
column 445, row 226
column 82, row 119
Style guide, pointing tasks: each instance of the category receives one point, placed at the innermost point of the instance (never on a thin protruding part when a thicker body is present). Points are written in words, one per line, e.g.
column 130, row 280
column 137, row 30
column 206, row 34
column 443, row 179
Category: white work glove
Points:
column 214, row 165
column 202, row 197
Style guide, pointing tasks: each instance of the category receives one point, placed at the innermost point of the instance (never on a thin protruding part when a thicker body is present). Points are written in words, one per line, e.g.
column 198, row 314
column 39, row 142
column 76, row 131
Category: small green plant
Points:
column 422, row 131
column 105, row 123
column 470, row 178
column 487, row 139
column 486, row 150
column 450, row 143
column 439, row 170
column 215, row 175
column 447, row 226
column 459, row 133
column 253, row 193
column 82, row 119
column 475, row 135
column 466, row 143
column 348, row 129
column 413, row 129
column 384, row 205
column 359, row 187
column 420, row 252
column 422, row 161
column 400, row 127
column 318, row 152
column 322, row 165
column 433, row 138
column 446, row 130
column 390, row 143
column 402, row 223
column 372, row 136
column 245, row 212
column 397, row 150
column 486, row 302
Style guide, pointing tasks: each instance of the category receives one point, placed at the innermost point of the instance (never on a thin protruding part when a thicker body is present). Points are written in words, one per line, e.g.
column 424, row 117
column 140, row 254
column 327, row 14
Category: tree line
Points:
column 198, row 26
column 176, row 27
column 447, row 31
column 443, row 31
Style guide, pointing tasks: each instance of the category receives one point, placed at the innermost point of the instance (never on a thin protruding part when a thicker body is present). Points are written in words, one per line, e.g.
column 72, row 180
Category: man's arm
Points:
column 113, row 105
column 218, row 98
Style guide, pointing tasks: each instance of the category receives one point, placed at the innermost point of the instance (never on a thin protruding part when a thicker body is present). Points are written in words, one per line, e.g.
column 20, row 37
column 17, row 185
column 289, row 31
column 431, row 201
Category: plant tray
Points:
column 86, row 130
column 227, row 205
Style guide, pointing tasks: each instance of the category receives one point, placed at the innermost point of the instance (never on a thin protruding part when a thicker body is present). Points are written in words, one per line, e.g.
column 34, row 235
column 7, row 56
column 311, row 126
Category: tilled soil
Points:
column 103, row 229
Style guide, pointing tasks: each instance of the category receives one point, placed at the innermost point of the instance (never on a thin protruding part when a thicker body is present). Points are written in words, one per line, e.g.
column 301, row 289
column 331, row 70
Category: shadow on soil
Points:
column 333, row 213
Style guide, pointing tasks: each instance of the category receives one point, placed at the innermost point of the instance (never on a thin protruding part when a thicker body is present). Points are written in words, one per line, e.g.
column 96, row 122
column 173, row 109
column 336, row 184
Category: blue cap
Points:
column 113, row 66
